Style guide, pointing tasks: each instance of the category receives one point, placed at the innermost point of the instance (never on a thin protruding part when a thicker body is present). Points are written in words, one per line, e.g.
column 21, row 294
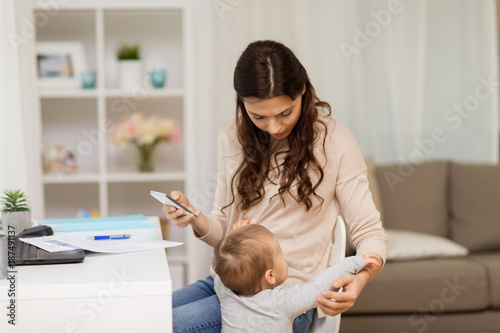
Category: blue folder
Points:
column 98, row 223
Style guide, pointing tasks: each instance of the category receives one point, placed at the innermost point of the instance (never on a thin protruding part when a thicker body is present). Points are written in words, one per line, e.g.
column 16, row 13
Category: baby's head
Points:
column 249, row 259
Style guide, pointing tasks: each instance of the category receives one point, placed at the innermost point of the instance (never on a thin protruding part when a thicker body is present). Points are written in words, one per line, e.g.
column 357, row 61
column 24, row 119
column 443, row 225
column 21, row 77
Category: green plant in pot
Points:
column 128, row 51
column 130, row 65
column 16, row 213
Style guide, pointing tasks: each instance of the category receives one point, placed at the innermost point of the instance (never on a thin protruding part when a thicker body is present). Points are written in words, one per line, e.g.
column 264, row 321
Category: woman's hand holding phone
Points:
column 175, row 215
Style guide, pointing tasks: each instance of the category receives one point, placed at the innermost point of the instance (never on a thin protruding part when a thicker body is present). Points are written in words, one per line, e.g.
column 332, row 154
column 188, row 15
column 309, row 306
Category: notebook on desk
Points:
column 26, row 254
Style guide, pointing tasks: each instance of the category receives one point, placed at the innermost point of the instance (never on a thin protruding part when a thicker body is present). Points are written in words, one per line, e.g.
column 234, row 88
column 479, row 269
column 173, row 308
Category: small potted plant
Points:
column 130, row 65
column 15, row 211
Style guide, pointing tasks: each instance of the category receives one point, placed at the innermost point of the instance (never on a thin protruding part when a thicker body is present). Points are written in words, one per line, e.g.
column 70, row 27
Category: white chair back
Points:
column 332, row 324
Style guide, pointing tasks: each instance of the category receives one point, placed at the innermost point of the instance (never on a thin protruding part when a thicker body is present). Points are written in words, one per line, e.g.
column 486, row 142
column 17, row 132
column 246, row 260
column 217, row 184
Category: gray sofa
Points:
column 460, row 202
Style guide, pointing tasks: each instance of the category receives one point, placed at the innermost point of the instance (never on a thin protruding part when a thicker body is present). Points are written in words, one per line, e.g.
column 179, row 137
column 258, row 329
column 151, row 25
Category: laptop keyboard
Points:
column 27, row 254
column 25, row 251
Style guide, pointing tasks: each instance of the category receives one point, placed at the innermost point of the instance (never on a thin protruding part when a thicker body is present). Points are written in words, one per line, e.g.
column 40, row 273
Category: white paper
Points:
column 132, row 244
column 50, row 245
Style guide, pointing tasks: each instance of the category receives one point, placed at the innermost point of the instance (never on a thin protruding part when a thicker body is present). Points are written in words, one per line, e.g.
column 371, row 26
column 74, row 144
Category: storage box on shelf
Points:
column 107, row 178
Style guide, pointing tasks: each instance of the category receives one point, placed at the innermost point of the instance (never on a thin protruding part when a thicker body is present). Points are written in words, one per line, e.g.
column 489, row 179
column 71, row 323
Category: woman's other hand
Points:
column 339, row 302
column 176, row 215
column 335, row 302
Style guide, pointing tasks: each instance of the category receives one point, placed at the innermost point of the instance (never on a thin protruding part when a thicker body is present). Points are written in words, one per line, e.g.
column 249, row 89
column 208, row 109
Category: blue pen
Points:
column 109, row 237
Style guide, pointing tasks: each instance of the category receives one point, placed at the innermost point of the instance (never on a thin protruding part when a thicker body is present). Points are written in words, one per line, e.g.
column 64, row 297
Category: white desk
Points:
column 122, row 293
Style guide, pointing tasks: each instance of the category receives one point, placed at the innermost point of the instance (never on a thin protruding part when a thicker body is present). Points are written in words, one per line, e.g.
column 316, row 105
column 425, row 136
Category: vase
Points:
column 146, row 158
column 158, row 78
column 4, row 258
column 131, row 73
column 15, row 222
column 89, row 79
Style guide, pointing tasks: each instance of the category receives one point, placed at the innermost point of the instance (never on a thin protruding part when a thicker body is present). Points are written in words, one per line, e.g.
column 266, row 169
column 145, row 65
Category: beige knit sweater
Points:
column 305, row 236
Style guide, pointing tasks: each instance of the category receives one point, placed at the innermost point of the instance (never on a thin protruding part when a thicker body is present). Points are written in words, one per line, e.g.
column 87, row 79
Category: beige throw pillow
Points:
column 410, row 245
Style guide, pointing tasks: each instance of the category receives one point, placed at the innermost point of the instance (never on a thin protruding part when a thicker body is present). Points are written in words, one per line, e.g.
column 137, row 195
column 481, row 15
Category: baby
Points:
column 249, row 267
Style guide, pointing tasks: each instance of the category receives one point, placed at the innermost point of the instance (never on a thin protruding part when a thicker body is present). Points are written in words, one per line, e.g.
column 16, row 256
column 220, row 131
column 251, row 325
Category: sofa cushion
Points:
column 476, row 322
column 475, row 206
column 407, row 245
column 414, row 197
column 492, row 264
column 441, row 285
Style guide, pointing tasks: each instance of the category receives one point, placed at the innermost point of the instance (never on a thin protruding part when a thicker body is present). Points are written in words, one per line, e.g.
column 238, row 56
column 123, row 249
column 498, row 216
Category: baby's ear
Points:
column 269, row 277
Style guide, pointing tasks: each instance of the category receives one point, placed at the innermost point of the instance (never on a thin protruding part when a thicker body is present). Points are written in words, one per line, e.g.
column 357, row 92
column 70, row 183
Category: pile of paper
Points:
column 69, row 241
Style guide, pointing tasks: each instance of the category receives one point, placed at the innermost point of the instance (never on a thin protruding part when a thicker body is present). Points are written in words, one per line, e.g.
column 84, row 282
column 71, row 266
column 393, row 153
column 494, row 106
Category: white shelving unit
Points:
column 107, row 178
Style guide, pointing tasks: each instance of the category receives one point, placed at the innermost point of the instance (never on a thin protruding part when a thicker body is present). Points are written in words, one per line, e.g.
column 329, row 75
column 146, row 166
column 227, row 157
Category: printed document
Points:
column 65, row 242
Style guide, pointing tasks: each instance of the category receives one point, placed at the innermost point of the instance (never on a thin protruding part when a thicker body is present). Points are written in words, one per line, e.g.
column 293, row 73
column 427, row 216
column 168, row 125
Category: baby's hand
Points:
column 240, row 224
column 372, row 260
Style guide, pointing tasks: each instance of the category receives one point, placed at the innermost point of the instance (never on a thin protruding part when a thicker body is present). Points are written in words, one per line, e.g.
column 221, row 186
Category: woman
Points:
column 287, row 164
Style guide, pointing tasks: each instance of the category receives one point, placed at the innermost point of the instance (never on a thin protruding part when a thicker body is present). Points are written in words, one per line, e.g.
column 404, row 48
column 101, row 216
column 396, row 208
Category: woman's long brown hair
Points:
column 268, row 69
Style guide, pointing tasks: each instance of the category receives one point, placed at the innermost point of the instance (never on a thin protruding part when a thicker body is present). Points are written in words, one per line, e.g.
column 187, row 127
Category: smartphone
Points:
column 167, row 200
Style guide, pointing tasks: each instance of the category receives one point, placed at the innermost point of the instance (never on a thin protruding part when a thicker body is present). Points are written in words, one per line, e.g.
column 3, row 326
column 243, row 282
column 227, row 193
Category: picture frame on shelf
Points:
column 60, row 64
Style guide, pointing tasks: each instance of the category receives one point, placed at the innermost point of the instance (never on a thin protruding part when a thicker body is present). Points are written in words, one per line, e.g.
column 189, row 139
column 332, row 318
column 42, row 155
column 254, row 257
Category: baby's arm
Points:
column 300, row 298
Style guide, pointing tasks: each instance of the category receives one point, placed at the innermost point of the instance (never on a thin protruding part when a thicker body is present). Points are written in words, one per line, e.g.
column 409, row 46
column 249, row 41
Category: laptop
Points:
column 27, row 254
